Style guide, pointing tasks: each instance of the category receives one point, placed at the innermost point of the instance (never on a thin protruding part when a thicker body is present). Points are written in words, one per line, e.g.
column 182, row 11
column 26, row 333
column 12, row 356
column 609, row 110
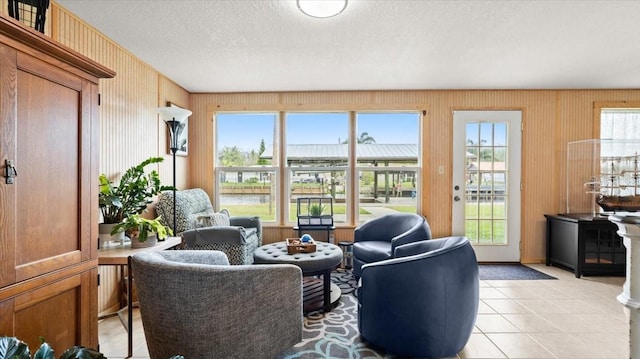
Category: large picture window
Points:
column 317, row 158
column 367, row 162
column 388, row 164
column 246, row 179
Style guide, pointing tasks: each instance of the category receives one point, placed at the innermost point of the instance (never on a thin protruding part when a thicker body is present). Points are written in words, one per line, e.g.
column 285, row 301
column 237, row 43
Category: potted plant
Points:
column 131, row 196
column 14, row 348
column 143, row 232
column 316, row 209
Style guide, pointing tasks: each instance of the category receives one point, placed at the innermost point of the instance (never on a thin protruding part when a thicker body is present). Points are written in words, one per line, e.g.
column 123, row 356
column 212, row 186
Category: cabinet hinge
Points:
column 99, row 98
column 98, row 279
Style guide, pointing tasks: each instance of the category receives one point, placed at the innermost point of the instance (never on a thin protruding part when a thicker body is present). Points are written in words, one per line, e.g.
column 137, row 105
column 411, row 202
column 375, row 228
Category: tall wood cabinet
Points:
column 49, row 131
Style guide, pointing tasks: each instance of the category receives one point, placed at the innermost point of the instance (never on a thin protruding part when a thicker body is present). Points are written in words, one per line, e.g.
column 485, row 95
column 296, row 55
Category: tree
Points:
column 252, row 158
column 232, row 157
column 363, row 138
column 262, row 147
column 262, row 161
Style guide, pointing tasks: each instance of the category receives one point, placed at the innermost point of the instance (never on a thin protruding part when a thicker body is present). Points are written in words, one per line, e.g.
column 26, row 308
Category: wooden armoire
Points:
column 49, row 131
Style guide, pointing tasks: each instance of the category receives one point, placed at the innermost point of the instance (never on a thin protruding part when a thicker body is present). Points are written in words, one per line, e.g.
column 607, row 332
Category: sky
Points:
column 490, row 134
column 246, row 130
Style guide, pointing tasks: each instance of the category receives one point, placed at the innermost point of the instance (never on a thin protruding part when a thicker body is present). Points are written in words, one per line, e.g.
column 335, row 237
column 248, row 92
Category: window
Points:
column 245, row 165
column 368, row 162
column 620, row 124
column 619, row 150
column 387, row 154
column 317, row 159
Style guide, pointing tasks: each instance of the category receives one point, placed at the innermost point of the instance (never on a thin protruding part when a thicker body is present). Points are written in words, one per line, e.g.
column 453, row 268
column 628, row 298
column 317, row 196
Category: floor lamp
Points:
column 175, row 118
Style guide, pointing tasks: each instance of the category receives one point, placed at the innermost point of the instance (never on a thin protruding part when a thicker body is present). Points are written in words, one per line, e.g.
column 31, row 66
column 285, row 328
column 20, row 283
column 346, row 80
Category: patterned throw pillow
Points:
column 215, row 219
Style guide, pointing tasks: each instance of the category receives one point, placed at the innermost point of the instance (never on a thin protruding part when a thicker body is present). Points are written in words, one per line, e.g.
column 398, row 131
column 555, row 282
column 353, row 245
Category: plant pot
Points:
column 105, row 237
column 151, row 241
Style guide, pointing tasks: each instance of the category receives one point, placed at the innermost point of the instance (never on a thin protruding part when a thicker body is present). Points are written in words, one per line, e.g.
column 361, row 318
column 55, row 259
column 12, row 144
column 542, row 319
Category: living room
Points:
column 552, row 116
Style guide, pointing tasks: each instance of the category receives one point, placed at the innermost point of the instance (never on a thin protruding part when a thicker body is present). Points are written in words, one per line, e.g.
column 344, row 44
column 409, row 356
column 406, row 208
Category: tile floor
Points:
column 564, row 318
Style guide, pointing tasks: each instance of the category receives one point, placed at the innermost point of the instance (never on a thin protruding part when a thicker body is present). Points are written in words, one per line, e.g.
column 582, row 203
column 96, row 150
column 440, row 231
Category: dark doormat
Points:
column 510, row 272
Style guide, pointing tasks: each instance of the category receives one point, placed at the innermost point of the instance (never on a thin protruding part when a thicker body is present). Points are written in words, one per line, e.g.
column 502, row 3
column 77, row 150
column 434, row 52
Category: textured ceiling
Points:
column 268, row 45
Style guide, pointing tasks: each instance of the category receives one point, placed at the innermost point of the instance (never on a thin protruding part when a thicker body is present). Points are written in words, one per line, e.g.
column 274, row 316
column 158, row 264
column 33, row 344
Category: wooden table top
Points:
column 119, row 254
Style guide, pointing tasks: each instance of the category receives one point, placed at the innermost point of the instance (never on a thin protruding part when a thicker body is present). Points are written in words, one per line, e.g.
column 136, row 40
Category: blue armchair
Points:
column 376, row 239
column 424, row 302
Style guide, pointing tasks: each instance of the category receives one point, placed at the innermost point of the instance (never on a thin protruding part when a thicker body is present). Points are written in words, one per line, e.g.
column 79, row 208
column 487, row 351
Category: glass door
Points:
column 486, row 182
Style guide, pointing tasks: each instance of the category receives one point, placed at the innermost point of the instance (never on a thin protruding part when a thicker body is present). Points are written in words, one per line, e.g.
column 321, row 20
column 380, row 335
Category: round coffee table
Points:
column 327, row 257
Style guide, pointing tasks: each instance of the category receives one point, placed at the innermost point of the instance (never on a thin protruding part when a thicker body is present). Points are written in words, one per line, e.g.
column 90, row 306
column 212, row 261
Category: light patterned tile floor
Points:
column 560, row 319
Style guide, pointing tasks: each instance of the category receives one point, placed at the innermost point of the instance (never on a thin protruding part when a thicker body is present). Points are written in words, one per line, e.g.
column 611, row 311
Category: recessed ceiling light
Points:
column 321, row 8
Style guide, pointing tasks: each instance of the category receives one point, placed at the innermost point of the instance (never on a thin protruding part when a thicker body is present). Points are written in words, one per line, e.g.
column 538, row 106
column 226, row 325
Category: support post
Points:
column 629, row 229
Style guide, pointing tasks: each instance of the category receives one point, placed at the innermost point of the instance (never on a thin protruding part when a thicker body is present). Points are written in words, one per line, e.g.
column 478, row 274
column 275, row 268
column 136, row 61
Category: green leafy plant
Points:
column 316, row 209
column 139, row 227
column 132, row 195
column 14, row 348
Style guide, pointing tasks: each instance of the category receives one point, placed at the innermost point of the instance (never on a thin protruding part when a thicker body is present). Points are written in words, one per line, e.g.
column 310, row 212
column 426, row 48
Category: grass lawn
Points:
column 485, row 223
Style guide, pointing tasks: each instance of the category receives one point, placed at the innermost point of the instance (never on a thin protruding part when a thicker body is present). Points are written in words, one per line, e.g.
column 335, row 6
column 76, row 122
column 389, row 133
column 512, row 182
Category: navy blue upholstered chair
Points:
column 376, row 239
column 424, row 302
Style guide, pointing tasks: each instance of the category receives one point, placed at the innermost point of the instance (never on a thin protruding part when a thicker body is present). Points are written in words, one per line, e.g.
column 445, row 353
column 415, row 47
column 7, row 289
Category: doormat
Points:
column 510, row 272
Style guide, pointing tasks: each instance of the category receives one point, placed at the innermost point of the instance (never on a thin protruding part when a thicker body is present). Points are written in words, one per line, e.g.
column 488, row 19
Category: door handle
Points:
column 10, row 171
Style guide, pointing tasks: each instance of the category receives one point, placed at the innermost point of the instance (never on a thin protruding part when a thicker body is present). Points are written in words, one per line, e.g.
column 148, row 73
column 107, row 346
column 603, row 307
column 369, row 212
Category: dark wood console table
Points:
column 586, row 244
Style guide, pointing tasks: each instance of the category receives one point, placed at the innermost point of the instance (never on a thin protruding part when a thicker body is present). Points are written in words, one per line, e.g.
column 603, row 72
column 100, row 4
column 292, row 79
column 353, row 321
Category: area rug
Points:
column 335, row 334
column 510, row 272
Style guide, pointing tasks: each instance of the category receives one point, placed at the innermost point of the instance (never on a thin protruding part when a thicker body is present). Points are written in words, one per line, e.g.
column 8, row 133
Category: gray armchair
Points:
column 195, row 304
column 202, row 228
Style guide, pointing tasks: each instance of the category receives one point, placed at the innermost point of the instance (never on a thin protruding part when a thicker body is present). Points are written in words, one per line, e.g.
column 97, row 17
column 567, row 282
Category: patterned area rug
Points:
column 335, row 334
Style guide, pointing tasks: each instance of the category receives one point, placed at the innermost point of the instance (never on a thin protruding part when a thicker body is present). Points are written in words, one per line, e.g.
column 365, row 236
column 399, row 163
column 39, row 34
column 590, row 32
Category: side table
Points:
column 347, row 254
column 121, row 256
column 327, row 257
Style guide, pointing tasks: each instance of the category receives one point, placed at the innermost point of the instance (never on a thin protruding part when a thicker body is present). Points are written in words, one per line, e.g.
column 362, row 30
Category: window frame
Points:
column 283, row 171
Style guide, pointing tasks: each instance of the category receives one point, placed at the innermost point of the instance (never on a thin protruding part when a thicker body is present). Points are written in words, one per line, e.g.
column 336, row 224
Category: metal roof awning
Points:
column 331, row 153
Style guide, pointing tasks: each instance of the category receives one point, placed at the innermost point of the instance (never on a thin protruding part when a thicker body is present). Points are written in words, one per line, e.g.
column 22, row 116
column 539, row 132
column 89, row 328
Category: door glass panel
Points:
column 486, row 190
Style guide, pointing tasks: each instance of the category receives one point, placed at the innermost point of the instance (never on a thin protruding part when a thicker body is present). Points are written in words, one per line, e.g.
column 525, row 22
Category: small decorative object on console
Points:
column 298, row 245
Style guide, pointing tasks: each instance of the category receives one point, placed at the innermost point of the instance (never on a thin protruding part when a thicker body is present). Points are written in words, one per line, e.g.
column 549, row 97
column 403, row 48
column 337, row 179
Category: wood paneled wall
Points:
column 551, row 118
column 131, row 130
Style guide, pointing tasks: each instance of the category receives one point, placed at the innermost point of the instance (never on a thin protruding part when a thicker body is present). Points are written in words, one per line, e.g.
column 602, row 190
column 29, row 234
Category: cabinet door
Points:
column 49, row 220
column 48, row 212
column 63, row 311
